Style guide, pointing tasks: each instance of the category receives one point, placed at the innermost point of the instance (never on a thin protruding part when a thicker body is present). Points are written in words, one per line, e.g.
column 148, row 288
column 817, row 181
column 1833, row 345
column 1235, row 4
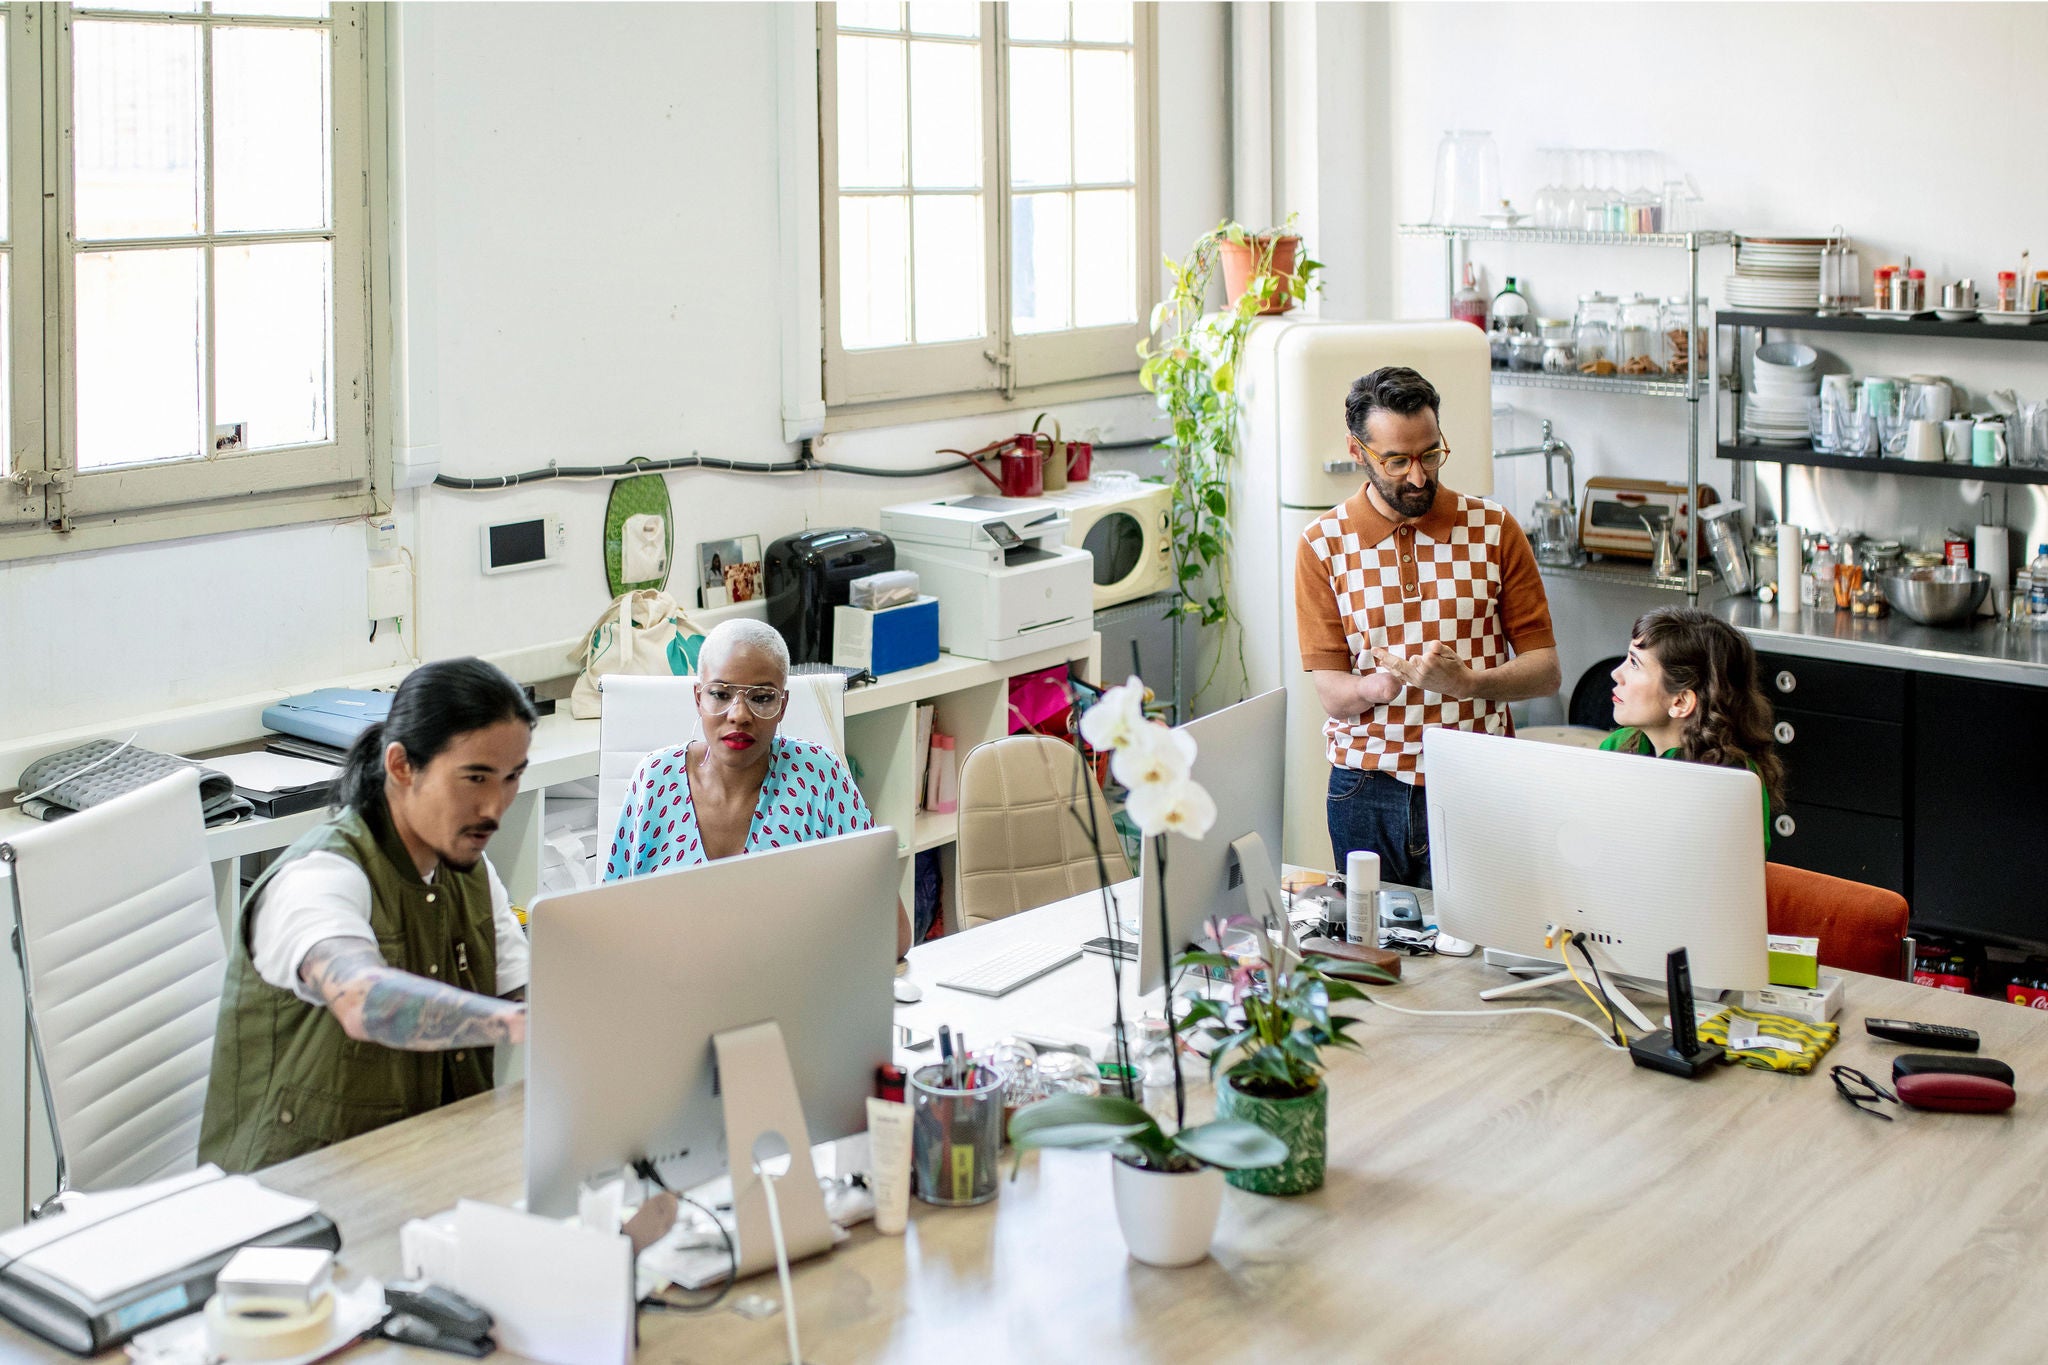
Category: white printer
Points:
column 1006, row 580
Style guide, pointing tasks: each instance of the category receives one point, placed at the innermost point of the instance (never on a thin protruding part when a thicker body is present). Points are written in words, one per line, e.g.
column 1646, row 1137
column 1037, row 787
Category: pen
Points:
column 966, row 1060
column 946, row 1051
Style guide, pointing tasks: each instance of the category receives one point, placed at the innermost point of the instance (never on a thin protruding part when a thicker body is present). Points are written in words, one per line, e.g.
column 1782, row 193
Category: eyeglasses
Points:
column 1398, row 465
column 1857, row 1088
column 762, row 701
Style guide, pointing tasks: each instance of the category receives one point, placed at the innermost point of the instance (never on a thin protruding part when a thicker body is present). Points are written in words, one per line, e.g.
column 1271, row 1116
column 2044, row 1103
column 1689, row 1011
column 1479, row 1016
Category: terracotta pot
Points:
column 1239, row 263
column 1168, row 1218
column 1303, row 1123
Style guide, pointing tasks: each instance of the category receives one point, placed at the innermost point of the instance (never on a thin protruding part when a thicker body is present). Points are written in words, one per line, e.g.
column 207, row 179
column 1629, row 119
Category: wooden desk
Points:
column 1498, row 1189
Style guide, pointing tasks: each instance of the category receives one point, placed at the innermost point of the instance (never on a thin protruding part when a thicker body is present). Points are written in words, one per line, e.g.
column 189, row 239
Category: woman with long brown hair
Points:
column 1688, row 689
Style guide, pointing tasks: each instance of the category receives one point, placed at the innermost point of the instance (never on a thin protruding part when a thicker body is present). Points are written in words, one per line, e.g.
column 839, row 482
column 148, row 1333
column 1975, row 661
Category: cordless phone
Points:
column 1685, row 1037
column 1678, row 1049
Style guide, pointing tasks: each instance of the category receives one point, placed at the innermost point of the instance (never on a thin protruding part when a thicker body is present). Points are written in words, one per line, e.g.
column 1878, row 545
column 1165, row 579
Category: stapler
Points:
column 439, row 1319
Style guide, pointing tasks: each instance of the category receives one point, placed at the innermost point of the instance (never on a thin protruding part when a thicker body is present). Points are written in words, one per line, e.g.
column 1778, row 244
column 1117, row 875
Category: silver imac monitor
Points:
column 1240, row 758
column 1636, row 855
column 633, row 979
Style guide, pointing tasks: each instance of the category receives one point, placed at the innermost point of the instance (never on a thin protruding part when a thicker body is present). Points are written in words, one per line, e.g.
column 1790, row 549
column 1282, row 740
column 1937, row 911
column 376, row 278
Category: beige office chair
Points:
column 122, row 967
column 641, row 715
column 1020, row 845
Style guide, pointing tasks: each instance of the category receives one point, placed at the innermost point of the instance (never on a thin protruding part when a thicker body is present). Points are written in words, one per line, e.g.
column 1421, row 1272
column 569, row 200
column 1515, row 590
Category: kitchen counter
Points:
column 1983, row 649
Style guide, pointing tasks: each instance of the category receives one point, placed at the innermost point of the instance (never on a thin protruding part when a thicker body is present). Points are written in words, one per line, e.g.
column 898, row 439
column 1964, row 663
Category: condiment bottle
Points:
column 2008, row 291
column 1823, row 575
column 1468, row 304
column 1511, row 310
column 1916, row 289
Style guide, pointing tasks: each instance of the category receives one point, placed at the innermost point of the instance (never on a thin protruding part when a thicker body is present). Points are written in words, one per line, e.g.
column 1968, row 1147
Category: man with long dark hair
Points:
column 1416, row 607
column 378, row 961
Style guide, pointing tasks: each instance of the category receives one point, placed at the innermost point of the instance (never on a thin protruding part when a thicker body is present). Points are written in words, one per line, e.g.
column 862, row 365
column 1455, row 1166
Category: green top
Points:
column 1629, row 740
column 286, row 1078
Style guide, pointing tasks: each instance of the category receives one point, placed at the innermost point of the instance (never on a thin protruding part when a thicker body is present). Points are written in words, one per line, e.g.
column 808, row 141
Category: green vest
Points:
column 286, row 1078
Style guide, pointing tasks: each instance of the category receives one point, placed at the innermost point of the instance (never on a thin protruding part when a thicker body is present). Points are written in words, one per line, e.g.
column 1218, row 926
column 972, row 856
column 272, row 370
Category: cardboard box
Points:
column 886, row 641
column 1812, row 1005
column 1794, row 961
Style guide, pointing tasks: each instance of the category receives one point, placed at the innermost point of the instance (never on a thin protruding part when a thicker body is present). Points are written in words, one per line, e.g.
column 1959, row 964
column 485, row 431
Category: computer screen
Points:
column 632, row 979
column 1240, row 758
column 1637, row 855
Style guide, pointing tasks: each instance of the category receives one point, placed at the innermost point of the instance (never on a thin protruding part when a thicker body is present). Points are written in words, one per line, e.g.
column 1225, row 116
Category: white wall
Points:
column 590, row 194
column 1916, row 127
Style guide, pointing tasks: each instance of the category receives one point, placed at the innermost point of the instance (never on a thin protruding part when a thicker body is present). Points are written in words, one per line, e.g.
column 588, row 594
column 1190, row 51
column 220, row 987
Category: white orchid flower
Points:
column 1117, row 718
column 1155, row 756
column 1181, row 807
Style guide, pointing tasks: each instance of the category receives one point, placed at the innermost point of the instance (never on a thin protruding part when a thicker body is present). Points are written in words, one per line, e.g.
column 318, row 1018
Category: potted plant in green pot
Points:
column 1168, row 1185
column 1266, row 1045
column 1190, row 365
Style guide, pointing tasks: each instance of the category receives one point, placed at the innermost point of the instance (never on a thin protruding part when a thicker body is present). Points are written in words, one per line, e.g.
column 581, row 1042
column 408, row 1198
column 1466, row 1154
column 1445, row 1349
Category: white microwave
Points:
column 1122, row 524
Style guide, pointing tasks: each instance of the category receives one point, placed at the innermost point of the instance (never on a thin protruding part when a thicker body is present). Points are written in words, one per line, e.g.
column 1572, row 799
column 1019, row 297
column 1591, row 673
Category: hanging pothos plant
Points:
column 1190, row 363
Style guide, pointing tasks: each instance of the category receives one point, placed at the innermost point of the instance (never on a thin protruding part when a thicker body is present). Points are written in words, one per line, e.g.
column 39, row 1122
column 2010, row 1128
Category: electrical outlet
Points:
column 390, row 591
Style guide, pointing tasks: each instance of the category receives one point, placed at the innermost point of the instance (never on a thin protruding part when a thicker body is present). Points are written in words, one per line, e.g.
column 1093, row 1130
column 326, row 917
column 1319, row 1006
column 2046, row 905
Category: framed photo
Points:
column 229, row 437
column 728, row 571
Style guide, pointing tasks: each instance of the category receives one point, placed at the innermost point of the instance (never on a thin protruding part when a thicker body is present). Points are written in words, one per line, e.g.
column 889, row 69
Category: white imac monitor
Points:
column 1240, row 759
column 632, row 980
column 1637, row 855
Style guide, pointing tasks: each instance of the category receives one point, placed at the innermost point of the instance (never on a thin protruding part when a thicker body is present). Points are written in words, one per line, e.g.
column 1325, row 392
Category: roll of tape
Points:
column 267, row 1329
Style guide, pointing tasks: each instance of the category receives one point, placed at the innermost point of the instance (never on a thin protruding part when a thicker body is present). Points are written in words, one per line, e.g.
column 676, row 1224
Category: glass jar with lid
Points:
column 1556, row 335
column 1638, row 346
column 1684, row 333
column 1593, row 333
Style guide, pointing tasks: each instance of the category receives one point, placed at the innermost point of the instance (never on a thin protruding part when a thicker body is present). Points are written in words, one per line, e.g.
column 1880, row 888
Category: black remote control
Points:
column 1944, row 1036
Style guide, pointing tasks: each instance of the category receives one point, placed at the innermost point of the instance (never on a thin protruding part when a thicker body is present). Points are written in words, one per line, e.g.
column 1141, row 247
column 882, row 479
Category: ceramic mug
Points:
column 1957, row 439
column 1987, row 445
column 1878, row 395
column 1923, row 440
column 1933, row 398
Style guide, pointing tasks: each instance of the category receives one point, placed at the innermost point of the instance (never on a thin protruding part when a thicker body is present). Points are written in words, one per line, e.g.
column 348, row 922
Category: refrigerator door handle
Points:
column 1340, row 466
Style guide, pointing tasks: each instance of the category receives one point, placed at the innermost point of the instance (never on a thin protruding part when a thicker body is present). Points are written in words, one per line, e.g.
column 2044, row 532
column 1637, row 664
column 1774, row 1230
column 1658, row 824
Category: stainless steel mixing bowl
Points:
column 1939, row 596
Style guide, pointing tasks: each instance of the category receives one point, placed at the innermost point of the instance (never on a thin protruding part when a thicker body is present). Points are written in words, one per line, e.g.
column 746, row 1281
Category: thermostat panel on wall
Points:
column 511, row 545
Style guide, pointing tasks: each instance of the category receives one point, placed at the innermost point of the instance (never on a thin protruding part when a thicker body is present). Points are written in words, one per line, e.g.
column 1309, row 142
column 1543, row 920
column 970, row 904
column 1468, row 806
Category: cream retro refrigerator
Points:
column 1295, row 463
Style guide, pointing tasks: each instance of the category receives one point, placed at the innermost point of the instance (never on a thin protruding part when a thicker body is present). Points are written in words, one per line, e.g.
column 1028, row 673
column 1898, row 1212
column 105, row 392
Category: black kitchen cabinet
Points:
column 1979, row 808
column 1842, row 732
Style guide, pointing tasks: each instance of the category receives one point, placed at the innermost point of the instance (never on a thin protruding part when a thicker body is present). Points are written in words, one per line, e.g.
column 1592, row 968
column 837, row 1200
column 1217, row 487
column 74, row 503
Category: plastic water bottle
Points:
column 2037, row 590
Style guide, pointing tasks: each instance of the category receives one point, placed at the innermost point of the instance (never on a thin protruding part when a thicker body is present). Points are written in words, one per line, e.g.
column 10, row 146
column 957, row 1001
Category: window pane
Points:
column 871, row 134
column 1038, row 20
column 1041, row 266
column 874, row 272
column 135, row 109
column 1038, row 117
column 948, row 267
column 270, row 118
column 293, row 9
column 945, row 123
column 169, row 7
column 1105, row 258
column 870, row 14
column 1102, row 108
column 3, row 164
column 6, row 361
column 273, row 378
column 138, row 356
column 1097, row 21
column 960, row 20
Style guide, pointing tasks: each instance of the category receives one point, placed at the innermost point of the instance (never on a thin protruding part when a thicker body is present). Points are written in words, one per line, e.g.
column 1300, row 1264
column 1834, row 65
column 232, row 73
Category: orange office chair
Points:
column 1860, row 927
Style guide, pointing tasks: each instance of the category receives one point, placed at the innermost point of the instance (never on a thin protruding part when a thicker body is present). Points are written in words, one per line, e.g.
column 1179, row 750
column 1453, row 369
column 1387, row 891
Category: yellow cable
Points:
column 1565, row 952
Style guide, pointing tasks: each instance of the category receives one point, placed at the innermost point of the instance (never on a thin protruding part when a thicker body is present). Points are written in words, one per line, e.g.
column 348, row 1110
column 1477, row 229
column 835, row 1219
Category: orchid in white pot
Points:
column 1168, row 1186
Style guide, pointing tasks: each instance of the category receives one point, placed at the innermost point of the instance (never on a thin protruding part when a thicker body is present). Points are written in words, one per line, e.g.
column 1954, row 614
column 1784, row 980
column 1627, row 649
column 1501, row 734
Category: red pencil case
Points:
column 1954, row 1092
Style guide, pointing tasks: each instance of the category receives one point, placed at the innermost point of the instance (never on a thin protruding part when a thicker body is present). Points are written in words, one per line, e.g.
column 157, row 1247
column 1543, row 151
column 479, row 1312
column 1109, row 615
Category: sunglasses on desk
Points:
column 1863, row 1094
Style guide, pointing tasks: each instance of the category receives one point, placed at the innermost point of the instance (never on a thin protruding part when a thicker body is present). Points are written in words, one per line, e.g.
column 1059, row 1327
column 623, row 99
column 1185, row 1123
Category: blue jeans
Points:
column 1374, row 810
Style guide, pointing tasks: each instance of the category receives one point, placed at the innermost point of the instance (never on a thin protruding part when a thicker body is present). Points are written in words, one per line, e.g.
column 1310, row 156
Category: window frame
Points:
column 1002, row 369
column 57, row 507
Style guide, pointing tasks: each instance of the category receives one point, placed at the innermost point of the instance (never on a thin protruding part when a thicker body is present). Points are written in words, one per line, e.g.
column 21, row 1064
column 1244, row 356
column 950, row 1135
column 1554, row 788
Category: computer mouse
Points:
column 907, row 991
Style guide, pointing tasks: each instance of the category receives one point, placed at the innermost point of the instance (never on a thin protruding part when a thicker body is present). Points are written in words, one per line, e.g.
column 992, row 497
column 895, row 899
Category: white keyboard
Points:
column 1011, row 968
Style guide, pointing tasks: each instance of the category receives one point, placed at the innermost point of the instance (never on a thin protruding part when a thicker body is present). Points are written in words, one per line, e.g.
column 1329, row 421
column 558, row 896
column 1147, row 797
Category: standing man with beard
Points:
column 1416, row 606
column 378, row 962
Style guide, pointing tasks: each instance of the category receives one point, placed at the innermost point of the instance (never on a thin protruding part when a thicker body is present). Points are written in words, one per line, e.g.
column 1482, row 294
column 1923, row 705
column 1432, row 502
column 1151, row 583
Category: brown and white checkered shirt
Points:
column 1462, row 574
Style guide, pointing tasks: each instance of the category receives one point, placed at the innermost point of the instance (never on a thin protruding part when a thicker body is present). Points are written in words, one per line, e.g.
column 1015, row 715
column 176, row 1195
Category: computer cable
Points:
column 644, row 1168
column 1599, row 1003
column 1580, row 1020
column 1587, row 953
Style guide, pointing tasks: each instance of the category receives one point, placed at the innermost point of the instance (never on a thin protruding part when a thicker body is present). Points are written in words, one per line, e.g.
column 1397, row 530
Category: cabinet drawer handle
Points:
column 1784, row 827
column 1782, row 732
column 1786, row 680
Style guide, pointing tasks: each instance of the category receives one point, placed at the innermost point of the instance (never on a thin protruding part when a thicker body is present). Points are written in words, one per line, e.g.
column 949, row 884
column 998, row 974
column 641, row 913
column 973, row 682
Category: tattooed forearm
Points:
column 378, row 1003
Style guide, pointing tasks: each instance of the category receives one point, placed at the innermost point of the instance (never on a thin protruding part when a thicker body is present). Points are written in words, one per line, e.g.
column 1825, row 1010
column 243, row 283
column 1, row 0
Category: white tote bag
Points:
column 642, row 632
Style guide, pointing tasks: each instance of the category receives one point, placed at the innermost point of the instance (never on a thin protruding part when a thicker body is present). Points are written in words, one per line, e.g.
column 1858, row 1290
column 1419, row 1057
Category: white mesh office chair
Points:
column 641, row 715
column 122, row 967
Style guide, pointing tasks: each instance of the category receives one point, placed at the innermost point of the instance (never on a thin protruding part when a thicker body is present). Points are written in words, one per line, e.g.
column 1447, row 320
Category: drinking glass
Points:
column 1892, row 424
column 1550, row 198
column 1854, row 432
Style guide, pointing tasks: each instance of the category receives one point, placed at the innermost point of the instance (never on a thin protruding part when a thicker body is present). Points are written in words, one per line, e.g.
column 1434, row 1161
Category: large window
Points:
column 988, row 195
column 188, row 182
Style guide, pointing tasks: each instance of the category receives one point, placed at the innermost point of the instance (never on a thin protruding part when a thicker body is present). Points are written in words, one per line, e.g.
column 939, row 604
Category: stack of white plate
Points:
column 1775, row 273
column 1784, row 379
